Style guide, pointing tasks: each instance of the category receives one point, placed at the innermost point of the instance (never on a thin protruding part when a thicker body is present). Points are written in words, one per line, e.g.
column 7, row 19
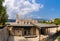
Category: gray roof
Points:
column 20, row 25
column 39, row 25
column 44, row 25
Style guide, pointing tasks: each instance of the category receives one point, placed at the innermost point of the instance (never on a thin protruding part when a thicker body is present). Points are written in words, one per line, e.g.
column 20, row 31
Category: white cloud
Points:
column 21, row 7
column 39, row 17
column 33, row 16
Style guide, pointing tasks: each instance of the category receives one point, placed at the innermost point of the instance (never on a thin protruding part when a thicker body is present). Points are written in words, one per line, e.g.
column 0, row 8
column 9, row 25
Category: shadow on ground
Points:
column 53, row 37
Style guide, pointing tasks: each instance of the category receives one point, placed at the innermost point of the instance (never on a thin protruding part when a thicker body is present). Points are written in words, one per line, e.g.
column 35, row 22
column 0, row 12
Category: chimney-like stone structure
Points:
column 17, row 18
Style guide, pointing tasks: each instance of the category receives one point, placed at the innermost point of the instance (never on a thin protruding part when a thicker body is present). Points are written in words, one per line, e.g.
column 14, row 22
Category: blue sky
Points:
column 51, row 9
column 47, row 9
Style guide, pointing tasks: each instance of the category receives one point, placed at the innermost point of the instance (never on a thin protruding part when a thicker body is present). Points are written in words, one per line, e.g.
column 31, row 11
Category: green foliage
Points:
column 58, row 38
column 47, row 22
column 41, row 21
column 57, row 21
column 3, row 15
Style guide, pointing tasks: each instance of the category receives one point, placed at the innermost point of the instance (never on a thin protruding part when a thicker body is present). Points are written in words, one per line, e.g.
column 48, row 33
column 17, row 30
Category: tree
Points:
column 57, row 21
column 1, row 1
column 3, row 15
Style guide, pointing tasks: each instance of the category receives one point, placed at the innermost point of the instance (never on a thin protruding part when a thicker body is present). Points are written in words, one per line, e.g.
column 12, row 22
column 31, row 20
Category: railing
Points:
column 30, row 36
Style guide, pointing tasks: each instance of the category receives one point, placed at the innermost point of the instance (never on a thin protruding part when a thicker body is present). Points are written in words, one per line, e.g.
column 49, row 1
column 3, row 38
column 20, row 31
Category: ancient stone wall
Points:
column 59, row 28
column 4, row 34
column 22, row 38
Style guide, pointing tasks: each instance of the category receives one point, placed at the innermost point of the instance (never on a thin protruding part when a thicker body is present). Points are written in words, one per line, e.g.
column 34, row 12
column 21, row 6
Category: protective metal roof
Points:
column 39, row 25
column 44, row 25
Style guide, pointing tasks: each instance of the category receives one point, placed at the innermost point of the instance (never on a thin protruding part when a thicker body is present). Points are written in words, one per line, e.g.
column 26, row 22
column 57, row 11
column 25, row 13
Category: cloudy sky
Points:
column 47, row 9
